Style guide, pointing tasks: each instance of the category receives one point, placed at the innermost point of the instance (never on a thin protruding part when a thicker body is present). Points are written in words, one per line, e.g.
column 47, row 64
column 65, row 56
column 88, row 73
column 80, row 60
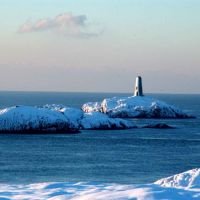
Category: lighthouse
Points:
column 138, row 87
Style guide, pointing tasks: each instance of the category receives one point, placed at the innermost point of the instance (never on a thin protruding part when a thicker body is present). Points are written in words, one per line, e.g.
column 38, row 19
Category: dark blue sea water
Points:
column 124, row 156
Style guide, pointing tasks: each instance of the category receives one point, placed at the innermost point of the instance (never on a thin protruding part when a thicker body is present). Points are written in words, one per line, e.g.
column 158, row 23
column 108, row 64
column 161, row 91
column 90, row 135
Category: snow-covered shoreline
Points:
column 183, row 186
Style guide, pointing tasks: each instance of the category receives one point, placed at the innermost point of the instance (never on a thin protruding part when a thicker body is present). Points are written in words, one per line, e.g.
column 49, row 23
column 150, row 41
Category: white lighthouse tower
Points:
column 138, row 87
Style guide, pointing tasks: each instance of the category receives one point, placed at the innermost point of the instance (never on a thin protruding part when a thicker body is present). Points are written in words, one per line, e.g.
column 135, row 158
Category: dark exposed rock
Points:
column 158, row 126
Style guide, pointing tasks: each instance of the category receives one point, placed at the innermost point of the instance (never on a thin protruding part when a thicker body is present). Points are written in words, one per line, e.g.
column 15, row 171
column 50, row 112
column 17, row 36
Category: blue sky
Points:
column 100, row 45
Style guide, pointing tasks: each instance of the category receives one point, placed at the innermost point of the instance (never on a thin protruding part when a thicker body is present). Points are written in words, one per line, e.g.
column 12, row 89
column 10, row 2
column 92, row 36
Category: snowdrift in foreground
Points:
column 54, row 118
column 135, row 107
column 189, row 179
column 183, row 186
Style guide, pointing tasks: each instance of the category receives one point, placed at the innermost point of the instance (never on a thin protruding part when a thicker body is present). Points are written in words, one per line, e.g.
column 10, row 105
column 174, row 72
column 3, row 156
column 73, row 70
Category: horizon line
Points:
column 111, row 92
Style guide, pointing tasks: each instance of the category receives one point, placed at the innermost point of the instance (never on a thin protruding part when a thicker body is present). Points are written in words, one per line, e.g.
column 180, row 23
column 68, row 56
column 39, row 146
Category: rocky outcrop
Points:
column 158, row 126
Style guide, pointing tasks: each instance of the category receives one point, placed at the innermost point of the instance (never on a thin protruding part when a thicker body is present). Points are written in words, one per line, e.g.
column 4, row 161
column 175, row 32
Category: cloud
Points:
column 65, row 24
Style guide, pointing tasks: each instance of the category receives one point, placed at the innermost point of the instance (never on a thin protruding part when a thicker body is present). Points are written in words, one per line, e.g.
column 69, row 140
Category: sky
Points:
column 100, row 45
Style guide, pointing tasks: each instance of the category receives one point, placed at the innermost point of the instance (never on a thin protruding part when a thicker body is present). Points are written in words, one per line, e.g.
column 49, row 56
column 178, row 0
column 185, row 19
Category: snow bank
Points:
column 188, row 179
column 135, row 107
column 91, row 191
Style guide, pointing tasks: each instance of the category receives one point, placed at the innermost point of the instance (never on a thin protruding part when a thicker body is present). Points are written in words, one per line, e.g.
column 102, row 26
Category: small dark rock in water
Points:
column 159, row 126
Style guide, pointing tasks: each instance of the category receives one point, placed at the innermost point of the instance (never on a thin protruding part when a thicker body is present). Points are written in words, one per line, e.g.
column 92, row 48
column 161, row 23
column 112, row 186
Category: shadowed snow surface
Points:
column 96, row 120
column 184, row 186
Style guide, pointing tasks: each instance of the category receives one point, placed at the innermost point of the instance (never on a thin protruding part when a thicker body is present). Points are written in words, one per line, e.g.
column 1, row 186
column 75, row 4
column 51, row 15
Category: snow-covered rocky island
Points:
column 184, row 186
column 135, row 107
column 55, row 119
column 94, row 115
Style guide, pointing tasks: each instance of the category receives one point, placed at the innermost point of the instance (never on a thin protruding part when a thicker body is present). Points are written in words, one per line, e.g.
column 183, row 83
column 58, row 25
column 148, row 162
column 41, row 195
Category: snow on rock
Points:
column 33, row 119
column 135, row 107
column 92, row 107
column 73, row 115
column 96, row 120
column 188, row 179
column 90, row 120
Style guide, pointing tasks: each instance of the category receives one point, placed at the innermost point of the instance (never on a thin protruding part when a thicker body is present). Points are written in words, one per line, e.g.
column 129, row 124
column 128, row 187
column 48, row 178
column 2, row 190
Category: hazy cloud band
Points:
column 66, row 24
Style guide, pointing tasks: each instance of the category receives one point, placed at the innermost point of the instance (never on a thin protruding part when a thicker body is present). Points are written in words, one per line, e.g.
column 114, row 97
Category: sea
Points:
column 133, row 156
